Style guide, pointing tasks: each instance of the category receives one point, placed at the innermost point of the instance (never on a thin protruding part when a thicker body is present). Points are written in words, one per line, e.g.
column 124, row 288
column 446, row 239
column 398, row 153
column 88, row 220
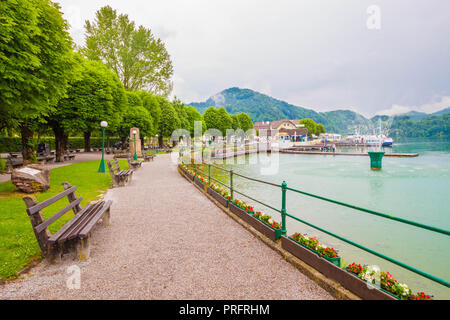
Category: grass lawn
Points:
column 150, row 152
column 18, row 245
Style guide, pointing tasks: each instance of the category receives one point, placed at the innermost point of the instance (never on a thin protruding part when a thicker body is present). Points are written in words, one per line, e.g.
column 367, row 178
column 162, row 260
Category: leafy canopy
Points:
column 140, row 60
column 35, row 60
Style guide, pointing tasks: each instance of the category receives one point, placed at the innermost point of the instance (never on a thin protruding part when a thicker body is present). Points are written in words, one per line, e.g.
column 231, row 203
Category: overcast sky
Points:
column 319, row 54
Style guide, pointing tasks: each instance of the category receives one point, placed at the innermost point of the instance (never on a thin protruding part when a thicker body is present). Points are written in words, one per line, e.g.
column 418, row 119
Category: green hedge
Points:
column 2, row 165
column 15, row 144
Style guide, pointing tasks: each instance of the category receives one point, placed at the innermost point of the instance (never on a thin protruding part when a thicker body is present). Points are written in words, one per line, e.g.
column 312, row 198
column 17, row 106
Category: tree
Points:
column 35, row 63
column 310, row 125
column 235, row 122
column 152, row 103
column 168, row 121
column 320, row 128
column 245, row 123
column 95, row 93
column 140, row 60
column 211, row 118
column 180, row 108
column 225, row 121
column 193, row 115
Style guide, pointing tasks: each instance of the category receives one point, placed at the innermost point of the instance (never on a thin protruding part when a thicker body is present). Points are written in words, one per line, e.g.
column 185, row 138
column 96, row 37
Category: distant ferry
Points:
column 370, row 140
column 387, row 142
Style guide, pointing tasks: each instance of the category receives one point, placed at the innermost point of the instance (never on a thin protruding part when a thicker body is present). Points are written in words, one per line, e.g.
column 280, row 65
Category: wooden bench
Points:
column 133, row 164
column 69, row 156
column 148, row 157
column 119, row 177
column 76, row 233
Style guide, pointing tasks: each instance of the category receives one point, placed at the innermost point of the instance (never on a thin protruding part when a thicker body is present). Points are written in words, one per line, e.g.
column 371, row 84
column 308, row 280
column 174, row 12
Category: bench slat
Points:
column 87, row 217
column 49, row 221
column 69, row 224
column 46, row 203
column 73, row 230
column 85, row 231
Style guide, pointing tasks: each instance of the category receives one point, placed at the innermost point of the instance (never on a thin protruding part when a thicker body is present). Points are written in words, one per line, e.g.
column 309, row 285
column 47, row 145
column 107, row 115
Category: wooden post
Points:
column 36, row 219
column 72, row 197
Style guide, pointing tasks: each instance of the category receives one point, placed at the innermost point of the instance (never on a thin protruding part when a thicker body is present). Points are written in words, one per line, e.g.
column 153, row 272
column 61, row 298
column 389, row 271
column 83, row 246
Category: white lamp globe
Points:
column 103, row 124
column 134, row 131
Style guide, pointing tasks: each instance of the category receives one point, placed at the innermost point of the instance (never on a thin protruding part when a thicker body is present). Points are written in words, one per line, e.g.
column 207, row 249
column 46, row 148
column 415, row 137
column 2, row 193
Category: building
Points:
column 284, row 129
column 330, row 137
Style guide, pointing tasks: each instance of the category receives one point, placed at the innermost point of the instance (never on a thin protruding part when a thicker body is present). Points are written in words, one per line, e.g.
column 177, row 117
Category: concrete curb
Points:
column 331, row 286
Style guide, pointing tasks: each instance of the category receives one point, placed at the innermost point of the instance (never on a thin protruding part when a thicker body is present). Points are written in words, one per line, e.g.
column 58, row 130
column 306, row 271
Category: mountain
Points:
column 261, row 107
column 443, row 111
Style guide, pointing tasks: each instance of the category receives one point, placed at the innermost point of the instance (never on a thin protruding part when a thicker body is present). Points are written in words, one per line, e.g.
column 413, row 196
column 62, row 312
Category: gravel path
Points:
column 168, row 241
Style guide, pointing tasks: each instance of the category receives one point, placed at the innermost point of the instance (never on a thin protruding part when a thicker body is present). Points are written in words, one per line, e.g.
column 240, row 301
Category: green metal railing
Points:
column 284, row 214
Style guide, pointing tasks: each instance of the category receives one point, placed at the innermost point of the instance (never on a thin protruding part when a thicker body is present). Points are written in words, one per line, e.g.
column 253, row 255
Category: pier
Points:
column 397, row 155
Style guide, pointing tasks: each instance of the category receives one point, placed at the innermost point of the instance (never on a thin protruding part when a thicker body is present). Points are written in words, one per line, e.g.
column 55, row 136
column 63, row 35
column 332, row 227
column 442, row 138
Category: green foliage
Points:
column 193, row 115
column 2, row 165
column 320, row 128
column 94, row 94
column 245, row 123
column 8, row 144
column 224, row 120
column 433, row 126
column 140, row 60
column 34, row 57
column 169, row 120
column 180, row 108
column 152, row 103
column 136, row 117
column 211, row 118
column 309, row 124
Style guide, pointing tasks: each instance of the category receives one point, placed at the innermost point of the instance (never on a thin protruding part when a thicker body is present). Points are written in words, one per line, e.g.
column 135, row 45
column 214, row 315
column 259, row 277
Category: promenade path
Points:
column 168, row 241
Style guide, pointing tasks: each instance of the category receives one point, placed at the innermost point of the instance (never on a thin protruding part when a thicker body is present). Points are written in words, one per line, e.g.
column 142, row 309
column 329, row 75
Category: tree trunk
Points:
column 87, row 141
column 160, row 141
column 27, row 148
column 59, row 143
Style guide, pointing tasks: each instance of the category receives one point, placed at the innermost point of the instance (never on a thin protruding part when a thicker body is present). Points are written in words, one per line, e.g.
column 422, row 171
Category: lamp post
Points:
column 101, row 168
column 157, row 143
column 135, row 154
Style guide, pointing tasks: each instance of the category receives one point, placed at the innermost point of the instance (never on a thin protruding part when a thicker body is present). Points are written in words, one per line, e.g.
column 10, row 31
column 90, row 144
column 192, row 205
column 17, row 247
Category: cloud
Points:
column 430, row 107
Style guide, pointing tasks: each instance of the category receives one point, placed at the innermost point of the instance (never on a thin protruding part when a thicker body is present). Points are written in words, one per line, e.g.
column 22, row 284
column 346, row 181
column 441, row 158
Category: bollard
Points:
column 376, row 159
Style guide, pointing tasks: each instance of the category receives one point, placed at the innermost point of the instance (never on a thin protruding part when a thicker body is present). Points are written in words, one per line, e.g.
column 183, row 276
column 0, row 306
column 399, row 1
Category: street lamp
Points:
column 157, row 143
column 135, row 154
column 102, row 169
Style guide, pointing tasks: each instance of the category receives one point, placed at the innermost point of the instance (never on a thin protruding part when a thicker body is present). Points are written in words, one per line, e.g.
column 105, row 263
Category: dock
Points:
column 397, row 155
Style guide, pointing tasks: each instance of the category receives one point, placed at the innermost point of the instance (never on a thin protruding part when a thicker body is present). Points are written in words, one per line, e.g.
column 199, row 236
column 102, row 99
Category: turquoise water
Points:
column 413, row 188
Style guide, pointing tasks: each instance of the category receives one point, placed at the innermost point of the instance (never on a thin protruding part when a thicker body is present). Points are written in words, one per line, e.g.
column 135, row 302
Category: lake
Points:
column 417, row 189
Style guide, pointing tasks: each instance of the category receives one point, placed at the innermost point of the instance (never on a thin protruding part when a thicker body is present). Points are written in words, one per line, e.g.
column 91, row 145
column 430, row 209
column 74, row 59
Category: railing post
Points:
column 209, row 173
column 231, row 185
column 283, row 207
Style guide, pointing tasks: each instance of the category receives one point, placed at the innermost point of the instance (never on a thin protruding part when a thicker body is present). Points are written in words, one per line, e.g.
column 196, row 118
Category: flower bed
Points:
column 187, row 172
column 385, row 281
column 312, row 243
column 269, row 222
column 201, row 181
column 246, row 213
column 220, row 194
column 330, row 270
column 239, row 208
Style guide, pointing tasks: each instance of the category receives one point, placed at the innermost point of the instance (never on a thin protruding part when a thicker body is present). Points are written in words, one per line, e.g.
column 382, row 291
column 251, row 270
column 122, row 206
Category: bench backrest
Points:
column 114, row 166
column 34, row 208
